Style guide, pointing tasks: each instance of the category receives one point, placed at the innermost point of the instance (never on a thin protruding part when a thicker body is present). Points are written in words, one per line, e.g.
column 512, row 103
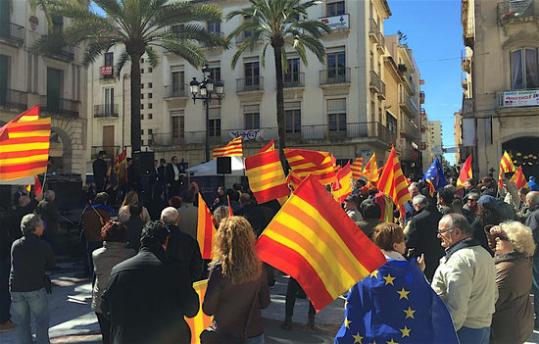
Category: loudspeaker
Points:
column 145, row 162
column 224, row 165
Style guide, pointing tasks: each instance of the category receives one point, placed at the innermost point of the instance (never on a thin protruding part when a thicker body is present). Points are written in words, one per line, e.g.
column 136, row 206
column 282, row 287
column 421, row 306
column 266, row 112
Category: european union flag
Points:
column 435, row 174
column 395, row 305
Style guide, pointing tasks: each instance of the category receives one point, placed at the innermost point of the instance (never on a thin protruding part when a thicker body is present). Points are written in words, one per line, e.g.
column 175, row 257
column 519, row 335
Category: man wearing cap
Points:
column 471, row 209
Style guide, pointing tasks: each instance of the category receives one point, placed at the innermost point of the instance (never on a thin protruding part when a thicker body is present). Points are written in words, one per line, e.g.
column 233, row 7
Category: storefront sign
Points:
column 520, row 98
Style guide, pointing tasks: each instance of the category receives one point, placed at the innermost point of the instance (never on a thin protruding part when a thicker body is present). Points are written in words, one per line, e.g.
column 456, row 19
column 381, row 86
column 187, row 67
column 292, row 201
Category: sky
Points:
column 434, row 33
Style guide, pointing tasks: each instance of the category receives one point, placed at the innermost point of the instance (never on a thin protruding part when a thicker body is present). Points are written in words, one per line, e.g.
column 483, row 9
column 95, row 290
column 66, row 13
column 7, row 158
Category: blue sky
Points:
column 434, row 33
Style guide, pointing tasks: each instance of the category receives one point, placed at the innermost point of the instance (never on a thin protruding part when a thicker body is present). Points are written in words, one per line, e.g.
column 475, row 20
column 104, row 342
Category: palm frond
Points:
column 239, row 51
column 313, row 44
column 184, row 12
column 124, row 57
column 153, row 58
column 187, row 49
column 263, row 57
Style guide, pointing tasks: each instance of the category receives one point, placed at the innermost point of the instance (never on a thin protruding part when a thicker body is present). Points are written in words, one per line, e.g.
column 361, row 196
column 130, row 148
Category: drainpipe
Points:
column 124, row 77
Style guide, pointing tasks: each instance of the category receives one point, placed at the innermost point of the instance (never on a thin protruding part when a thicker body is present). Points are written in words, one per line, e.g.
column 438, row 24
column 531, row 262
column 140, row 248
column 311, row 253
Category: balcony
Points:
column 516, row 11
column 337, row 23
column 409, row 129
column 13, row 99
column 335, row 77
column 60, row 107
column 294, row 80
column 106, row 110
column 213, row 45
column 106, row 72
column 176, row 91
column 377, row 85
column 467, row 106
column 249, row 85
column 376, row 34
column 409, row 105
column 244, row 36
column 65, row 54
column 15, row 35
column 185, row 138
column 517, row 99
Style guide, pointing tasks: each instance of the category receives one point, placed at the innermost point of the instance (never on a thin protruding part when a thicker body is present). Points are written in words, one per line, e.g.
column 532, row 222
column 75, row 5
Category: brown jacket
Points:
column 93, row 219
column 231, row 304
column 513, row 320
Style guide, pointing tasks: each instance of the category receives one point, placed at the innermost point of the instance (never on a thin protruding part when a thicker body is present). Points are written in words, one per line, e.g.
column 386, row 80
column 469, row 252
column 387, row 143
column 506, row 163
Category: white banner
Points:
column 248, row 134
column 520, row 98
column 337, row 22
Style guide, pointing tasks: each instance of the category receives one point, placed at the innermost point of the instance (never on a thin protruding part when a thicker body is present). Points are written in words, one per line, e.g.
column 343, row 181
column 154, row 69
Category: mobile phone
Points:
column 410, row 253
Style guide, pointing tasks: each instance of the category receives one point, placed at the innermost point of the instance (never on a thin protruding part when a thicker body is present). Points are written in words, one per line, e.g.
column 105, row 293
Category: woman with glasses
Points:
column 512, row 321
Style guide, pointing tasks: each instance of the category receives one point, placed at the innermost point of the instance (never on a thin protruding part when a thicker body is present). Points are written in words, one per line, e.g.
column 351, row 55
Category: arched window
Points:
column 524, row 69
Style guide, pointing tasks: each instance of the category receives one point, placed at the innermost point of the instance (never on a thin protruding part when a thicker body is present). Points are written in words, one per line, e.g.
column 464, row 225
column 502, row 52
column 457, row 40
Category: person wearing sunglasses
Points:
column 512, row 321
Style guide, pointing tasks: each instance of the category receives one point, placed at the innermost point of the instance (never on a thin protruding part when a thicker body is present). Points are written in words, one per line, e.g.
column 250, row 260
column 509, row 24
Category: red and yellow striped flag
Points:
column 201, row 321
column 268, row 147
column 343, row 186
column 393, row 183
column 233, row 148
column 519, row 178
column 205, row 228
column 371, row 169
column 466, row 172
column 266, row 177
column 24, row 146
column 304, row 163
column 506, row 166
column 357, row 168
column 313, row 240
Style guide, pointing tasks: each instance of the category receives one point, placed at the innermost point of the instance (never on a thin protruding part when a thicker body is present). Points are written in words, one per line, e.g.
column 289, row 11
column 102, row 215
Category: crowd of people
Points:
column 475, row 246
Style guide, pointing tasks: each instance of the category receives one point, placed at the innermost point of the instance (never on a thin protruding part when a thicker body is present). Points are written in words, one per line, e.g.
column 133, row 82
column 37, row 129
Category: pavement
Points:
column 72, row 320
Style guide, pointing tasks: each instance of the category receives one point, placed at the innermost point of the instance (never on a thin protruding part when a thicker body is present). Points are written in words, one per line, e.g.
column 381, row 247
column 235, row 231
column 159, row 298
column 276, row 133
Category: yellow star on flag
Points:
column 389, row 279
column 405, row 332
column 403, row 294
column 409, row 312
column 392, row 342
column 374, row 274
column 358, row 339
column 347, row 323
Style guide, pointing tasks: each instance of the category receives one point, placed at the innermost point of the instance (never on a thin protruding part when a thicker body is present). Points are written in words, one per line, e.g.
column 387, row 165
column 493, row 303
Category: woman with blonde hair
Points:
column 512, row 322
column 131, row 199
column 237, row 287
column 219, row 214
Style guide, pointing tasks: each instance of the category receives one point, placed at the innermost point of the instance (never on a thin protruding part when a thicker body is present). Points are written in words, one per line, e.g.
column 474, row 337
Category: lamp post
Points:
column 206, row 90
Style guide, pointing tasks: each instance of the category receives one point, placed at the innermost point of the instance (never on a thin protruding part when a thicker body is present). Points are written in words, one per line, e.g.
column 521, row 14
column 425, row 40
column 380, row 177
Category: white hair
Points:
column 170, row 216
column 420, row 200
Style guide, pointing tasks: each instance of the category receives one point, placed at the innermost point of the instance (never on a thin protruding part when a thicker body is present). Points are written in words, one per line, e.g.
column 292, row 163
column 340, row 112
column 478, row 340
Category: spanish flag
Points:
column 201, row 321
column 393, row 183
column 519, row 178
column 506, row 166
column 343, row 186
column 466, row 172
column 266, row 177
column 268, row 147
column 24, row 146
column 357, row 168
column 371, row 169
column 304, row 163
column 205, row 228
column 313, row 240
column 232, row 148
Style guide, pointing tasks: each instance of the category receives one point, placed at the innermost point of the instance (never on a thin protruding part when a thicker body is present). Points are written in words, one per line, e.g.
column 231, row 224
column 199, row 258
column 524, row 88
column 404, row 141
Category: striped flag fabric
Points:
column 201, row 321
column 293, row 180
column 466, row 172
column 233, row 148
column 268, row 147
column 313, row 240
column 266, row 176
column 205, row 228
column 24, row 146
column 305, row 162
column 393, row 183
column 343, row 186
column 371, row 171
column 357, row 168
column 519, row 179
column 506, row 166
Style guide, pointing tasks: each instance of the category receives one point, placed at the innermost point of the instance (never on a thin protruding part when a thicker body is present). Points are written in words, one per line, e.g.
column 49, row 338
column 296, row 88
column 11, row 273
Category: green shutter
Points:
column 53, row 89
column 4, row 18
column 4, row 62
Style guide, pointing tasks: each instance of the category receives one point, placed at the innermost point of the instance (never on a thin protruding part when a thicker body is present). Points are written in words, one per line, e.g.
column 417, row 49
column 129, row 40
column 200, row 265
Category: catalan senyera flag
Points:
column 519, row 179
column 268, row 147
column 293, row 180
column 466, row 172
column 305, row 162
column 205, row 228
column 120, row 167
column 38, row 188
column 266, row 176
column 357, row 168
column 393, row 183
column 24, row 146
column 506, row 166
column 343, row 186
column 371, row 169
column 313, row 240
column 201, row 321
column 233, row 148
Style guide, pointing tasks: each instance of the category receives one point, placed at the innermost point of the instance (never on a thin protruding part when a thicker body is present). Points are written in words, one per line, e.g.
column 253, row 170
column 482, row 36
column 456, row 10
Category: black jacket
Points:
column 30, row 257
column 423, row 237
column 99, row 168
column 146, row 301
column 183, row 251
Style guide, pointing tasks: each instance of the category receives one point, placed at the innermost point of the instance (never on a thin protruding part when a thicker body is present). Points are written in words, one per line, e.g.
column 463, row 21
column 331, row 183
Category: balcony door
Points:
column 4, row 68
column 4, row 18
column 336, row 66
column 108, row 139
column 292, row 74
column 178, row 83
column 55, row 78
column 252, row 74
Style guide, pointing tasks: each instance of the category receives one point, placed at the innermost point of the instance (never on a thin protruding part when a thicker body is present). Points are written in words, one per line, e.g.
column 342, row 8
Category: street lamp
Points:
column 206, row 90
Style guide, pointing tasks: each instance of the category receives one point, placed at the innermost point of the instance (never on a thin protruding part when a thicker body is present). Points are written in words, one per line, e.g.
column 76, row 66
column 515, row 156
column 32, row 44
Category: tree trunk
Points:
column 135, row 103
column 280, row 104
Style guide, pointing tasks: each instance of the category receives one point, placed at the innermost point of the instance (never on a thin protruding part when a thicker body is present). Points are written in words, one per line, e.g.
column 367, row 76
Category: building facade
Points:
column 56, row 82
column 434, row 140
column 457, row 135
column 500, row 109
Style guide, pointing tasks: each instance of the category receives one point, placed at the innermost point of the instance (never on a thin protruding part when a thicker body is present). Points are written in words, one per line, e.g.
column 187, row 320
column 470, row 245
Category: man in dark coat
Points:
column 532, row 201
column 100, row 171
column 422, row 235
column 174, row 177
column 146, row 299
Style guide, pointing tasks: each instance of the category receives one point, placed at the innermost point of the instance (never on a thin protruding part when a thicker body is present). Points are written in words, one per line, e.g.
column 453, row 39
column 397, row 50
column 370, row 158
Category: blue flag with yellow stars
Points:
column 435, row 174
column 395, row 305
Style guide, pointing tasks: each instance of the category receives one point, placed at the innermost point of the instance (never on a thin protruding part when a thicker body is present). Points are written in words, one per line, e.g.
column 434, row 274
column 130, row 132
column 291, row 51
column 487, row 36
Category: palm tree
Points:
column 280, row 23
column 141, row 27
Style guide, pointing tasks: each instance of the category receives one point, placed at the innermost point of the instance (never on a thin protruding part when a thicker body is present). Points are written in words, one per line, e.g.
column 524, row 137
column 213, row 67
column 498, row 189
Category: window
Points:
column 214, row 26
column 214, row 126
column 109, row 59
column 141, row 86
column 336, row 63
column 178, row 124
column 335, row 8
column 391, row 123
column 150, row 85
column 336, row 114
column 4, row 74
column 251, row 115
column 141, row 131
column 55, row 81
column 142, row 117
column 57, row 24
column 142, row 106
column 108, row 97
column 150, row 106
column 150, row 69
column 142, row 60
column 292, row 74
column 150, row 116
column 150, row 142
column 142, row 96
column 142, row 142
column 524, row 69
column 252, row 76
column 178, row 83
column 292, row 115
column 150, row 132
column 142, row 71
column 215, row 73
column 150, row 95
